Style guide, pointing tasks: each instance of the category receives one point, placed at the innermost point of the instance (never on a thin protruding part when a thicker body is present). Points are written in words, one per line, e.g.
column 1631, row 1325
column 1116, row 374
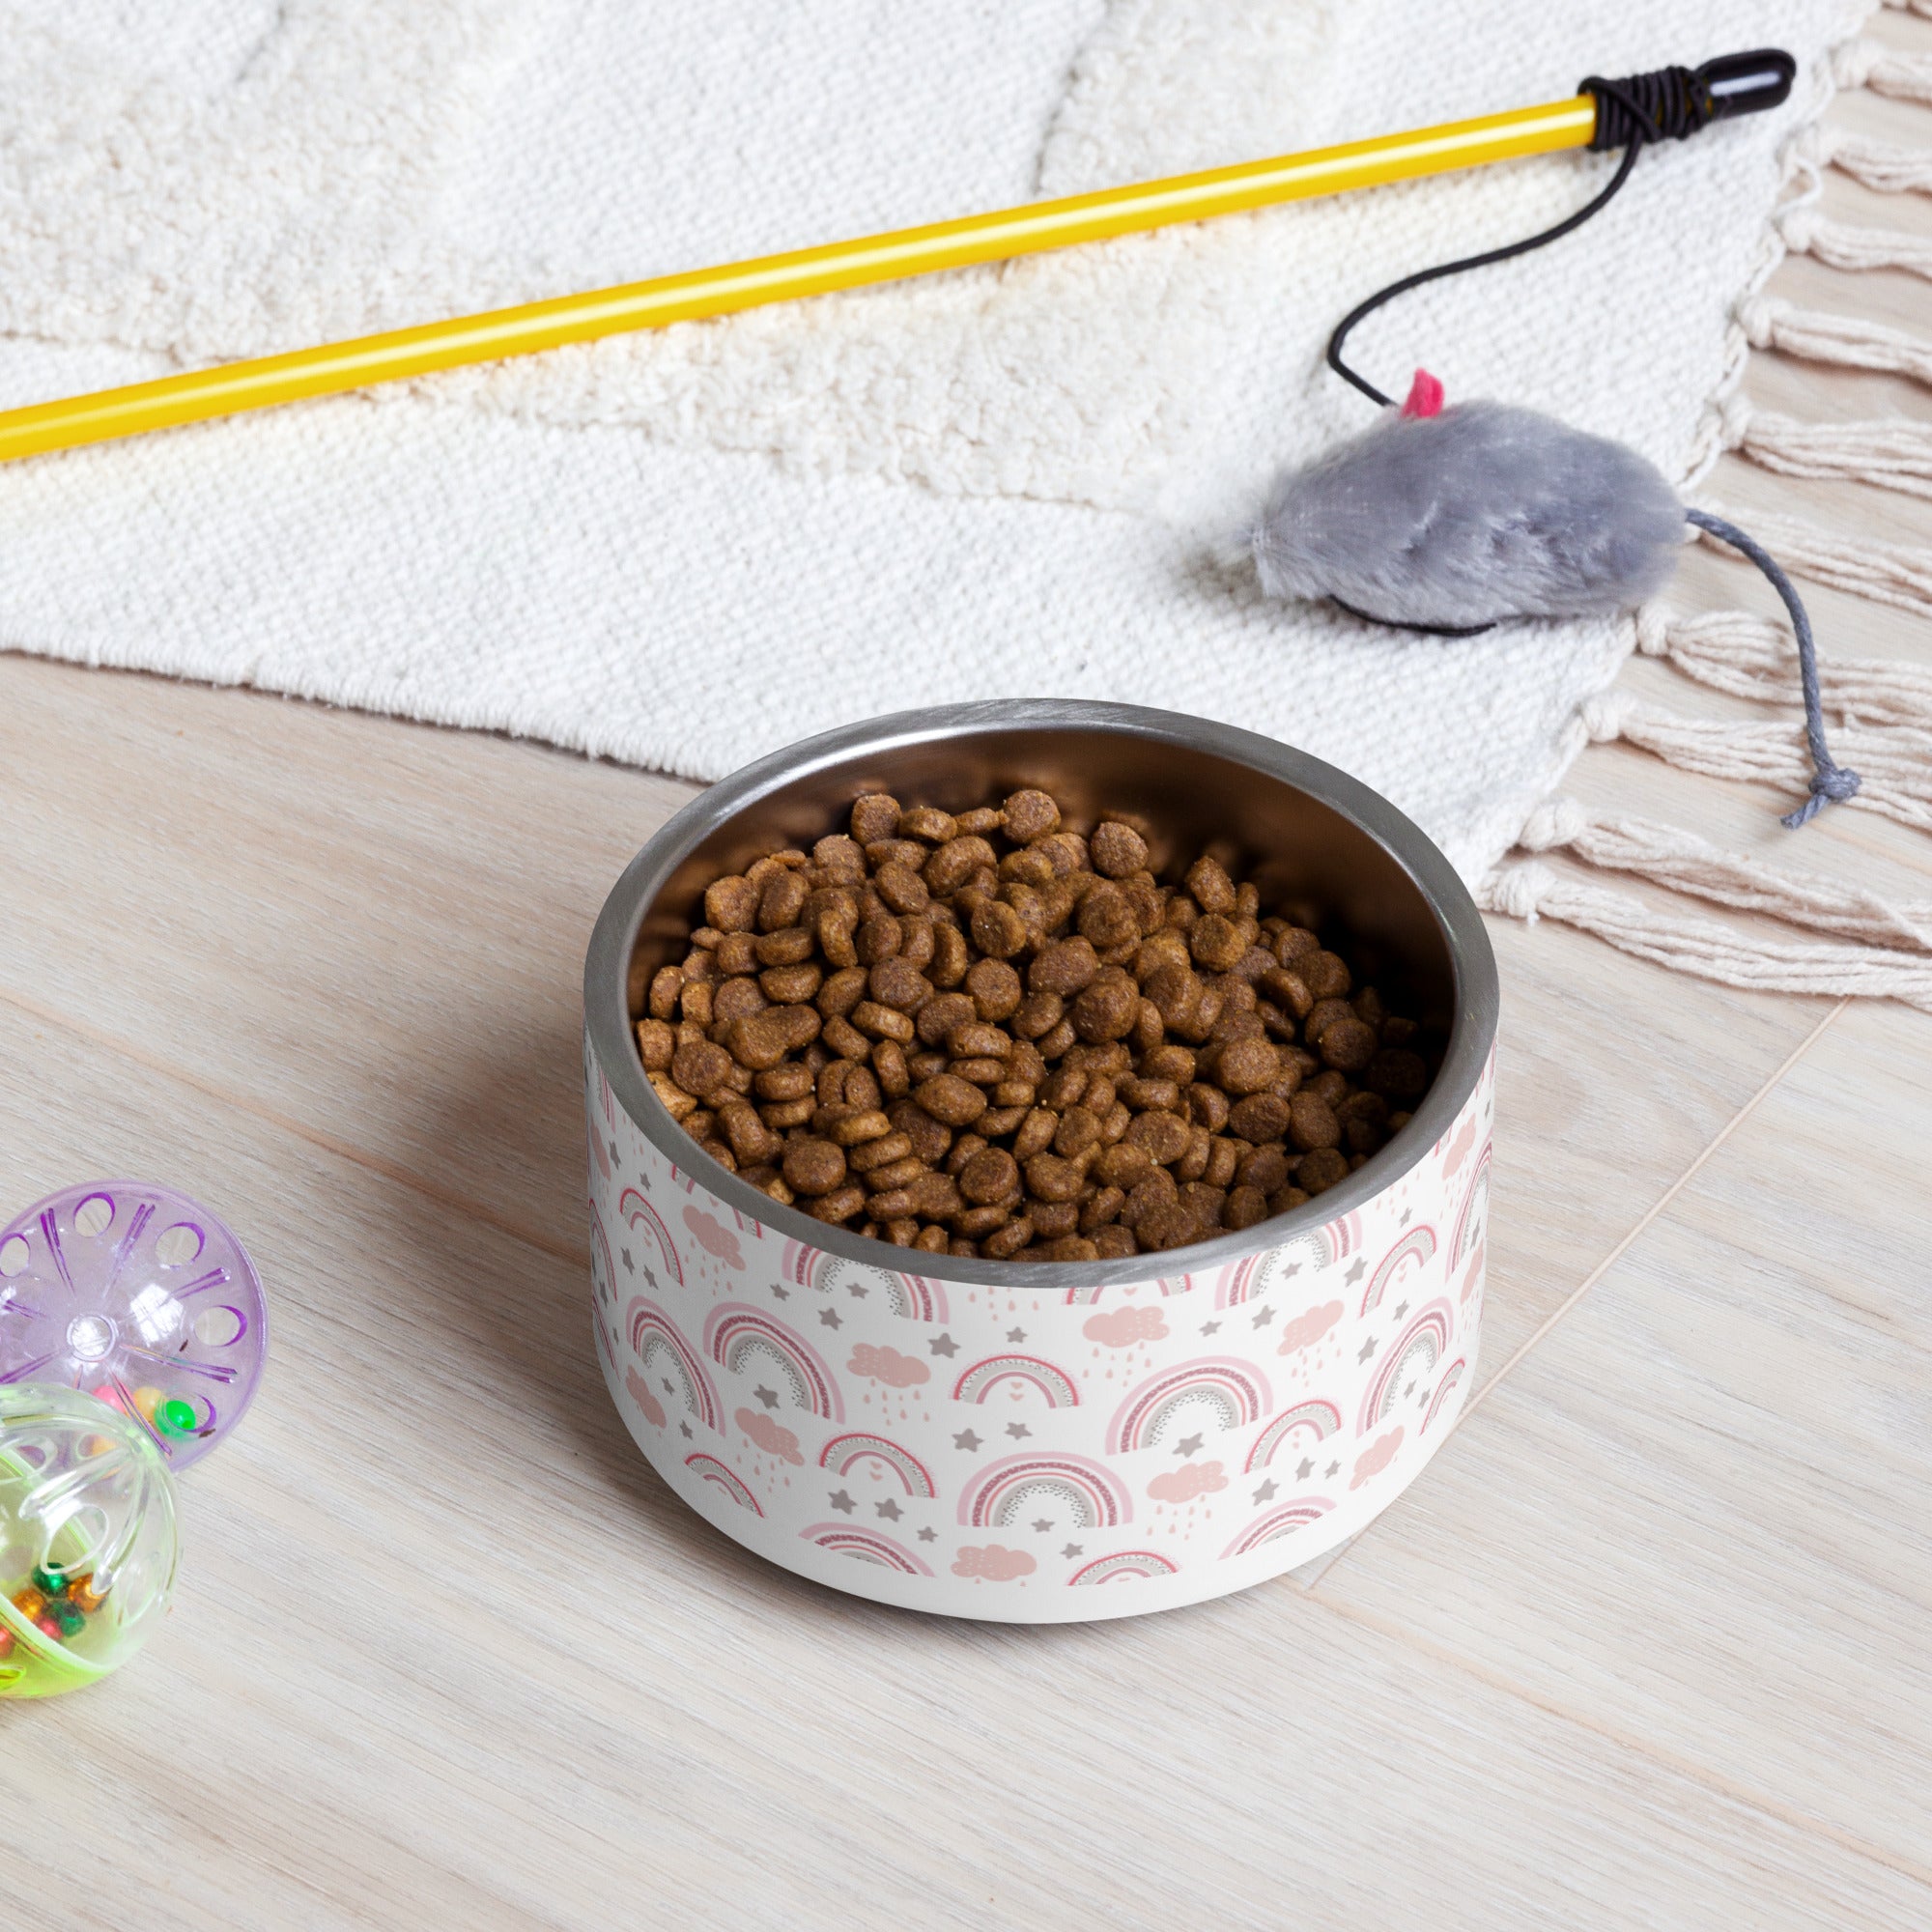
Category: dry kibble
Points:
column 1117, row 850
column 988, row 1034
column 1028, row 815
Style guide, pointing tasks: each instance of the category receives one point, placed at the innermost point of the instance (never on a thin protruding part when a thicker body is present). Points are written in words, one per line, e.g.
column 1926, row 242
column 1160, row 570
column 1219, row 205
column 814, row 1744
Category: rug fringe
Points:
column 1816, row 335
column 1896, row 574
column 1883, row 69
column 1894, row 453
column 1881, row 165
column 1529, row 890
column 1749, row 656
column 1668, row 855
column 1839, row 244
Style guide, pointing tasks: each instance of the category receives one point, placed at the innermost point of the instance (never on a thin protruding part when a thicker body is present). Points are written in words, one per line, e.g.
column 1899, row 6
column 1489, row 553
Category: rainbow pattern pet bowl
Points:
column 998, row 1439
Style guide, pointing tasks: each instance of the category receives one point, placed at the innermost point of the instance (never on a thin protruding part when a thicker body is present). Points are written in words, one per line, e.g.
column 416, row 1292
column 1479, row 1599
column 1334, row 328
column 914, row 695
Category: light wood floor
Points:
column 1645, row 1646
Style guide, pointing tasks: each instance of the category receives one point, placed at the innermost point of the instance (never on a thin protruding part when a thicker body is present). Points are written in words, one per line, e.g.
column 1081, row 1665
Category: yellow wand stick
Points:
column 1736, row 84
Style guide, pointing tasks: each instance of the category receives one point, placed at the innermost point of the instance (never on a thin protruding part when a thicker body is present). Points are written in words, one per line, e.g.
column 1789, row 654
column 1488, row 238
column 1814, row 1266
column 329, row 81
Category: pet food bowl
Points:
column 996, row 1440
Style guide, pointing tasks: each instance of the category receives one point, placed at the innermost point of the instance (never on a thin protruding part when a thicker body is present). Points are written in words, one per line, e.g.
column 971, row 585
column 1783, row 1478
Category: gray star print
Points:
column 783, row 1294
column 857, row 1288
column 1074, row 1549
column 965, row 1440
column 1017, row 1429
column 1334, row 1468
column 1016, row 1334
column 1187, row 1445
column 1355, row 1272
column 1266, row 1491
column 769, row 1397
column 943, row 1345
column 1042, row 1524
column 888, row 1509
column 928, row 1535
column 829, row 1317
column 1400, row 1309
column 1305, row 1469
column 630, row 1267
column 1262, row 1317
column 842, row 1504
column 1368, row 1349
column 1211, row 1327
column 684, row 1429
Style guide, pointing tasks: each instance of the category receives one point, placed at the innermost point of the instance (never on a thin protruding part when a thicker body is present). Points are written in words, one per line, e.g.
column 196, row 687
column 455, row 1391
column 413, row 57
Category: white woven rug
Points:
column 687, row 549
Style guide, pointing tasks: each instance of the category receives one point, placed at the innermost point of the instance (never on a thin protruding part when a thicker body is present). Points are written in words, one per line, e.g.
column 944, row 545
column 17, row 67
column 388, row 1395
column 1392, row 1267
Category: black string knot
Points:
column 1670, row 104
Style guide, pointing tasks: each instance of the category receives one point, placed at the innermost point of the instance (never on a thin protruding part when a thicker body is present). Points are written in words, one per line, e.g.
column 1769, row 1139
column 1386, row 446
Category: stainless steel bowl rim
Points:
column 1472, row 962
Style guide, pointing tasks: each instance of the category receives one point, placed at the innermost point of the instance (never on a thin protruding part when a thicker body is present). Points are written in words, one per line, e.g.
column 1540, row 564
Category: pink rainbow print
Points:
column 1002, row 1492
column 640, row 1213
column 657, row 1339
column 1451, row 1376
column 1255, row 1275
column 915, row 1298
column 1171, row 1284
column 1235, row 1393
column 867, row 1546
column 712, row 1470
column 1126, row 1565
column 1316, row 1420
column 1470, row 1215
column 1282, row 1520
column 980, row 1381
column 843, row 1452
column 735, row 1334
column 1419, row 1245
column 1421, row 1347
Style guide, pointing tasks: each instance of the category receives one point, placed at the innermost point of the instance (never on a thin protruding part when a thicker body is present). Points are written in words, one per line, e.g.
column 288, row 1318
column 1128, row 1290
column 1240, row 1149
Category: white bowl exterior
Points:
column 997, row 1452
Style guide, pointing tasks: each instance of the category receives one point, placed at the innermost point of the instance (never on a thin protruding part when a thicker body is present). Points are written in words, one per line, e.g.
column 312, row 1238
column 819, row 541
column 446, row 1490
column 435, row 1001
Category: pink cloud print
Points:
column 1122, row 1327
column 994, row 1562
column 1185, row 1484
column 641, row 1394
column 884, row 1364
column 1307, row 1329
column 773, row 1437
column 714, row 1236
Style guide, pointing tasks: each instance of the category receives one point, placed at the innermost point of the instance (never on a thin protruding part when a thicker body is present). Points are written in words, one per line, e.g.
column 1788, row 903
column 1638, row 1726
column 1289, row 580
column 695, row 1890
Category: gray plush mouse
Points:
column 1457, row 518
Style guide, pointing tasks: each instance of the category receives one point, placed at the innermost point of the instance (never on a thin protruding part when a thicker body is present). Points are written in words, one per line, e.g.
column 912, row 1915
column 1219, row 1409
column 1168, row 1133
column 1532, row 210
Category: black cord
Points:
column 1622, row 120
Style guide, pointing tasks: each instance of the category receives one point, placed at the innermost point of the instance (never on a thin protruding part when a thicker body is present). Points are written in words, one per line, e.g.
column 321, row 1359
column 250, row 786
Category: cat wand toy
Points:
column 1682, row 99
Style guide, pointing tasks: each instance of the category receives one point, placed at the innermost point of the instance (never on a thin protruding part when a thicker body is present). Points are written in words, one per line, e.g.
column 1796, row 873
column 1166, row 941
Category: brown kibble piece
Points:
column 656, row 1044
column 951, row 1101
column 731, row 905
column 874, row 817
column 1107, row 917
column 1029, row 815
column 1311, row 1123
column 990, row 1174
column 1349, row 1046
column 1248, row 1067
column 1162, row 1137
column 701, row 1068
column 1326, row 974
column 902, row 889
column 1117, row 850
column 1210, row 886
column 995, row 988
column 1066, row 966
column 1243, row 1208
column 1215, row 943
column 1172, row 1225
column 998, row 929
column 813, row 1166
column 1321, row 1170
column 1107, row 1009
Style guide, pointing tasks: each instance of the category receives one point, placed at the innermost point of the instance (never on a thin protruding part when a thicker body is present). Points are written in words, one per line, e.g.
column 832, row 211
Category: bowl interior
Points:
column 1309, row 860
column 1321, row 848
